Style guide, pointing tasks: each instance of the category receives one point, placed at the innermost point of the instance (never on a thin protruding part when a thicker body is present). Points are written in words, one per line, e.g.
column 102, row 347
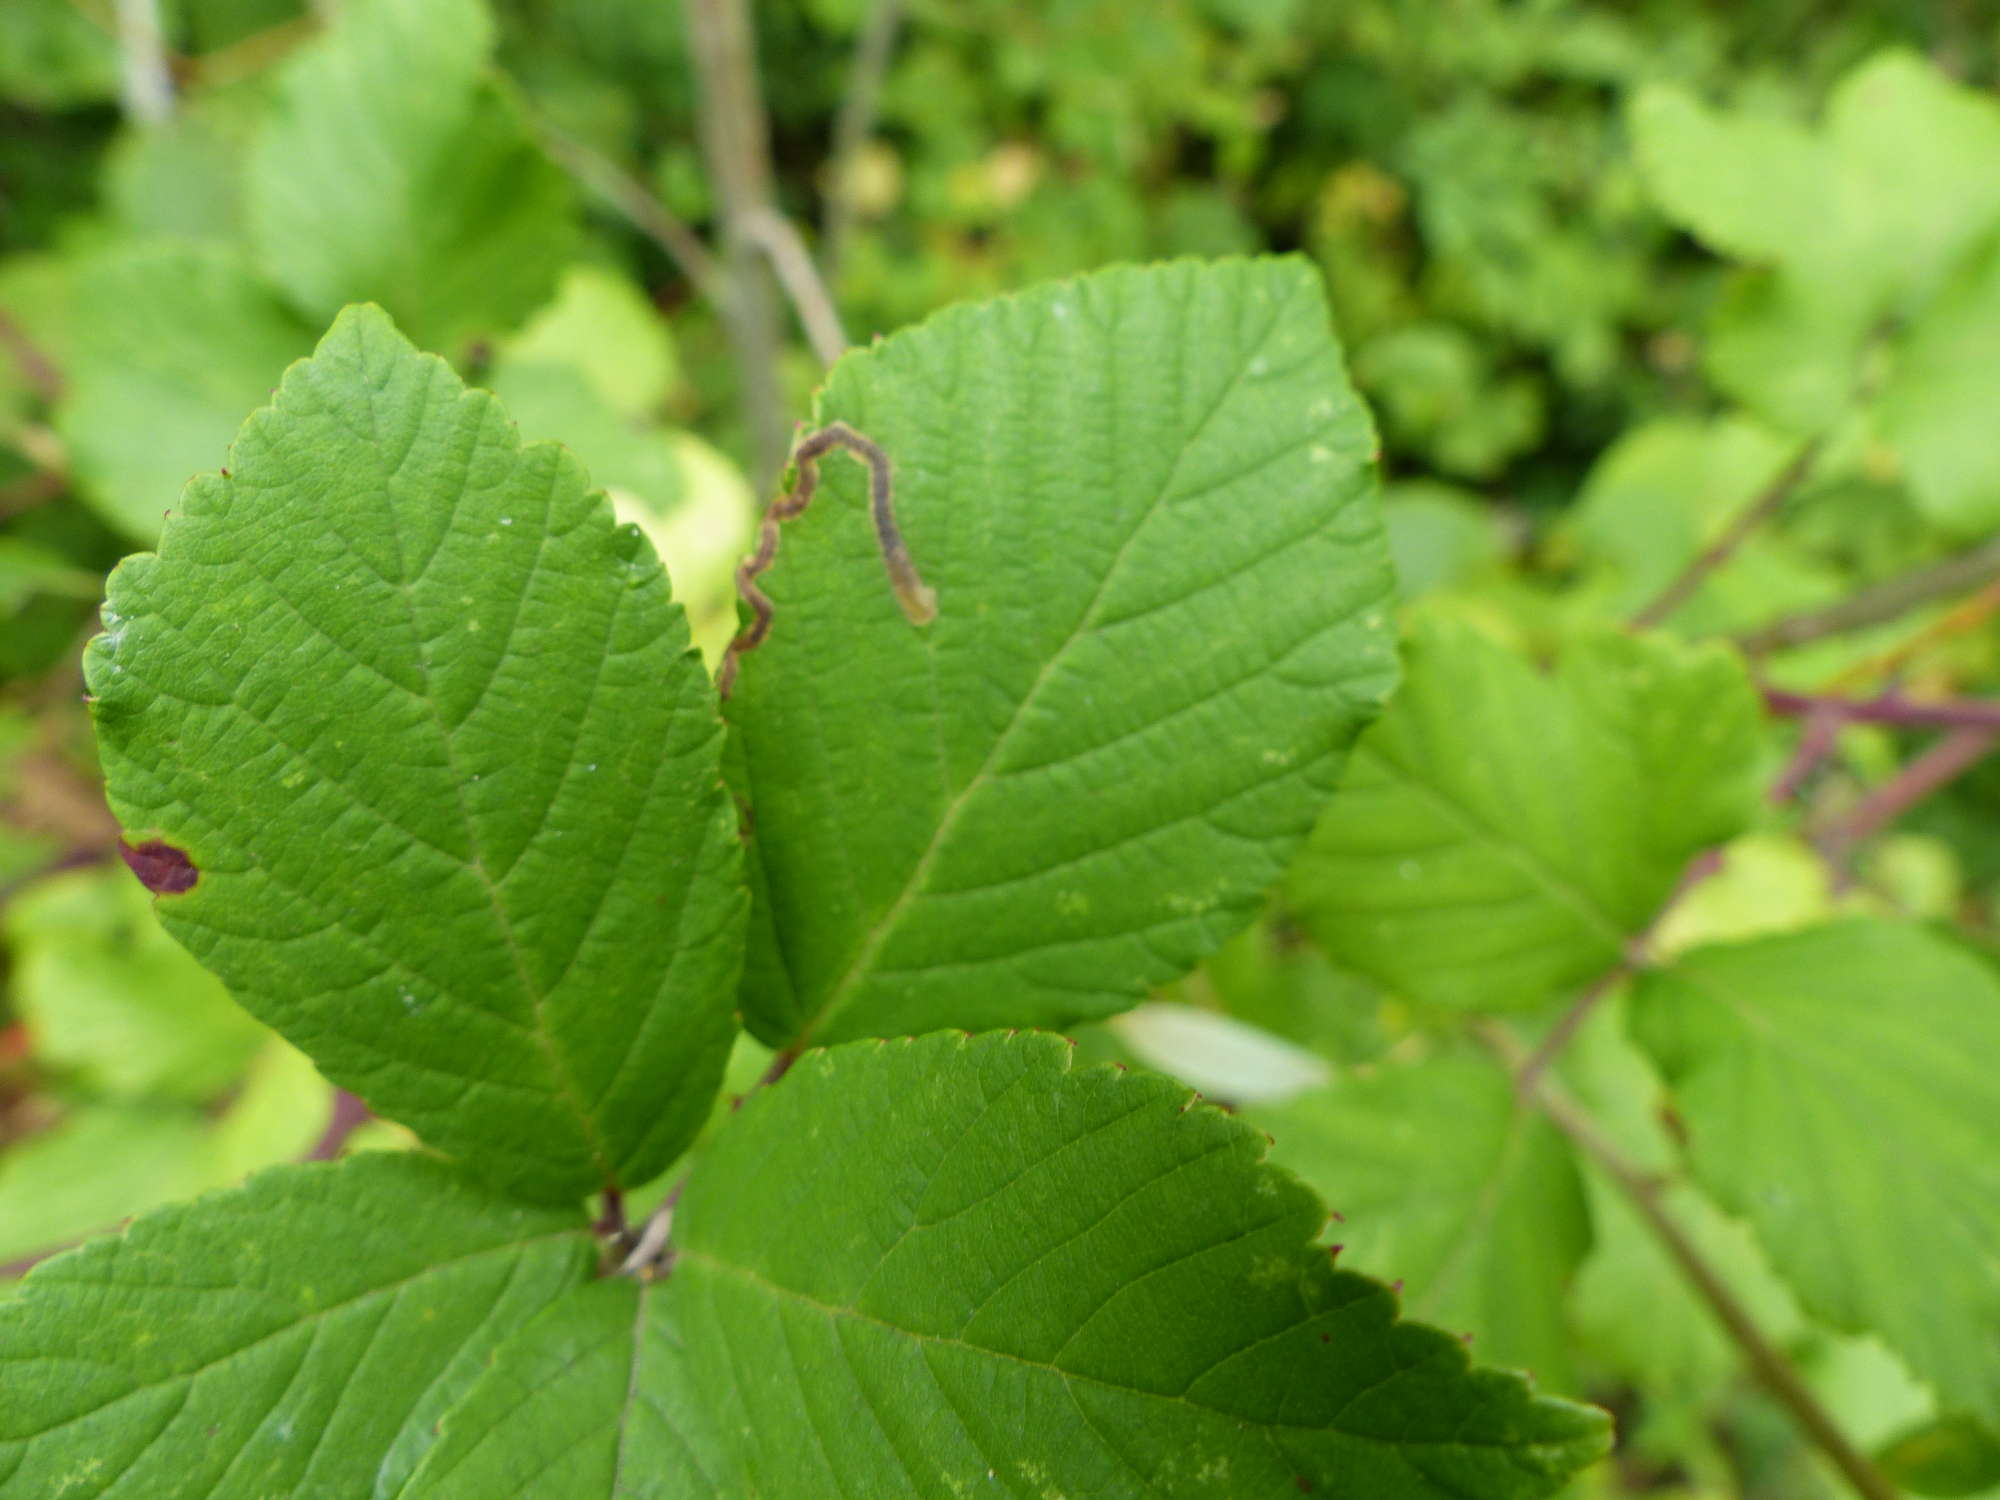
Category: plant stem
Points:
column 1700, row 868
column 349, row 1114
column 1767, row 504
column 36, row 367
column 736, row 142
column 1766, row 1361
column 1890, row 708
column 854, row 125
column 145, row 86
column 626, row 194
column 1949, row 758
column 1816, row 742
column 778, row 238
column 1884, row 601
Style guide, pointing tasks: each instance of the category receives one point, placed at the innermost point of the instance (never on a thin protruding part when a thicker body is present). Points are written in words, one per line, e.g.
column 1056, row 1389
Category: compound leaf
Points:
column 424, row 732
column 1501, row 834
column 1020, row 1279
column 1144, row 500
column 300, row 1335
column 1838, row 1091
column 431, row 199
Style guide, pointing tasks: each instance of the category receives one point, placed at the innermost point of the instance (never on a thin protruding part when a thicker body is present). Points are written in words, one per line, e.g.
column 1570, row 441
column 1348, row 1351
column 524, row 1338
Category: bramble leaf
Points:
column 298, row 1336
column 593, row 1398
column 1838, row 1091
column 172, row 344
column 425, row 731
column 1501, row 834
column 1144, row 500
column 1020, row 1279
column 1445, row 1181
column 432, row 200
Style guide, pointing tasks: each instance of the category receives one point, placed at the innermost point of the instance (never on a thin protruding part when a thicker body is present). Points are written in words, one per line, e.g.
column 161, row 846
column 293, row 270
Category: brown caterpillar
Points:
column 919, row 601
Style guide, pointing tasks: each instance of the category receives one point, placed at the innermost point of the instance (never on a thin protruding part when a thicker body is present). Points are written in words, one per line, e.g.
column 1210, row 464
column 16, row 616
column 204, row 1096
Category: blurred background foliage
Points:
column 1607, row 270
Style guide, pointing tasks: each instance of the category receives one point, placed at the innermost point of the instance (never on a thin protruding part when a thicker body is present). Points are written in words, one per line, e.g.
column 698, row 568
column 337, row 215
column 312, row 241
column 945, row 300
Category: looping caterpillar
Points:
column 919, row 600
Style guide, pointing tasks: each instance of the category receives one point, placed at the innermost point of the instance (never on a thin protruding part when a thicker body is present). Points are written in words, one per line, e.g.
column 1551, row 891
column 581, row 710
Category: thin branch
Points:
column 1884, row 601
column 145, row 85
column 1766, row 1361
column 1700, row 868
column 735, row 139
column 1951, row 757
column 35, row 366
column 348, row 1115
column 644, row 212
column 1890, row 708
column 1766, row 505
column 853, row 127
column 29, row 491
column 778, row 238
column 610, row 1224
column 1816, row 742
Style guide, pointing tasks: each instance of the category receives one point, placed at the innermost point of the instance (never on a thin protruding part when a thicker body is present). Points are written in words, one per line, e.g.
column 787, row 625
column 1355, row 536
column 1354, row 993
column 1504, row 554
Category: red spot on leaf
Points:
column 161, row 868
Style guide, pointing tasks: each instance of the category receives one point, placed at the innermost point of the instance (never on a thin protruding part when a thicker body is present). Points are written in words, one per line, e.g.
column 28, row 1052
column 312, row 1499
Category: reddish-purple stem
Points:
column 1890, row 708
column 349, row 1115
column 1948, row 759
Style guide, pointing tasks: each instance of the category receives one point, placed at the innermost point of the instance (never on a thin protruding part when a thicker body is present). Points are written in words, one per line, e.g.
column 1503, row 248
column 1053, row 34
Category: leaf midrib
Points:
column 458, row 409
column 687, row 1256
column 1541, row 874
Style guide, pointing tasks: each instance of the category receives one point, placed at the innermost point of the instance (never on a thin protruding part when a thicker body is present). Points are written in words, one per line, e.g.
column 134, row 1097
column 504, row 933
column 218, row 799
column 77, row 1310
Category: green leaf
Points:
column 102, row 1162
column 1144, row 501
column 428, row 728
column 595, row 1397
column 95, row 1166
column 1630, row 1306
column 1937, row 405
column 1020, row 1279
column 432, row 200
column 1948, row 1457
column 1916, row 149
column 298, row 1336
column 1441, row 536
column 53, row 55
column 1665, row 490
column 1790, row 348
column 558, row 403
column 183, row 177
column 171, row 345
column 1743, row 183
column 602, row 324
column 110, row 998
column 1446, row 1182
column 1501, row 834
column 1861, row 219
column 1838, row 1091
column 29, row 570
